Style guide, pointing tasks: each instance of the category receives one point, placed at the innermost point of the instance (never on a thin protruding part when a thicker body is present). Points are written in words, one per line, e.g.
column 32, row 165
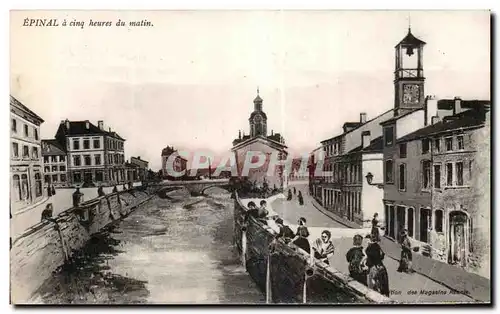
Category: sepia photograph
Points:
column 250, row 157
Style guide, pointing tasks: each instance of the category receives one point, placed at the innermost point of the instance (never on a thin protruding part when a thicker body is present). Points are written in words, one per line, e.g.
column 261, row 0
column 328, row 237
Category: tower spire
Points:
column 409, row 23
column 257, row 90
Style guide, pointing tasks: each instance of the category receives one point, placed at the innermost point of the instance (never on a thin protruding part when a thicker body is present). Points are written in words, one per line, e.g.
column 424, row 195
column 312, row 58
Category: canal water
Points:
column 174, row 250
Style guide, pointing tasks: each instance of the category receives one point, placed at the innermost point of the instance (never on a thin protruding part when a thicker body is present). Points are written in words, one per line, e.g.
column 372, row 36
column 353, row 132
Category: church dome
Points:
column 262, row 113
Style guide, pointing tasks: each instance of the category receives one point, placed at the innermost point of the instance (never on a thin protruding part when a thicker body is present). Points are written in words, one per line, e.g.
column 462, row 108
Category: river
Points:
column 170, row 251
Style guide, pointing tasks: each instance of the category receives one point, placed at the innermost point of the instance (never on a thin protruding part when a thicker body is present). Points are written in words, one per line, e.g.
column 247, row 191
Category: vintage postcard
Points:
column 250, row 157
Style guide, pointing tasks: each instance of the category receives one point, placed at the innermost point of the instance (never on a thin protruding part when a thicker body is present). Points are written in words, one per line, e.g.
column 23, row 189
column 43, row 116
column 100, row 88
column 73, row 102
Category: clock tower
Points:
column 258, row 118
column 409, row 75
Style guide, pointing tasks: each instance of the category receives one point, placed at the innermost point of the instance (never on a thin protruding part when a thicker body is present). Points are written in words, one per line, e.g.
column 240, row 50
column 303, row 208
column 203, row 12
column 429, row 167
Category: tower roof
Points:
column 257, row 99
column 411, row 40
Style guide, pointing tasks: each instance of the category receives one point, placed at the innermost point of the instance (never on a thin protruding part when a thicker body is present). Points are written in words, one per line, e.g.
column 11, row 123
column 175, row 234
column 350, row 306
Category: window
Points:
column 24, row 187
column 437, row 145
column 63, row 177
column 402, row 177
column 110, row 159
column 46, row 159
column 26, row 152
column 15, row 150
column 460, row 173
column 389, row 135
column 54, row 168
column 425, row 145
column 402, row 150
column 410, row 221
column 470, row 169
column 437, row 176
column 17, row 187
column 449, row 174
column 62, row 158
column 88, row 162
column 97, row 144
column 54, row 178
column 38, row 184
column 77, row 178
column 53, row 158
column 47, row 169
column 14, row 127
column 35, row 132
column 77, row 161
column 116, row 159
column 26, row 131
column 47, row 178
column 460, row 142
column 426, row 174
column 99, row 176
column 448, row 143
column 389, row 171
column 76, row 144
column 97, row 159
column 62, row 168
column 86, row 144
column 438, row 221
column 471, row 232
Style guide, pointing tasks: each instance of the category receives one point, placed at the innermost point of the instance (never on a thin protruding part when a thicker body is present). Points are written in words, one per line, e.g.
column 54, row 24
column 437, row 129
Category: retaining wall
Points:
column 44, row 247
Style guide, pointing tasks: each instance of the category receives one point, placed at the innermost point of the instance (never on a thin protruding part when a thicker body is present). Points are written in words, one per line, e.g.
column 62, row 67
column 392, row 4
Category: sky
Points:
column 190, row 79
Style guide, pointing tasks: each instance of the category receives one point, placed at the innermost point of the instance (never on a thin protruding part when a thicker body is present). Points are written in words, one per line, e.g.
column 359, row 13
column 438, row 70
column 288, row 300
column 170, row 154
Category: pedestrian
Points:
column 77, row 197
column 294, row 191
column 323, row 247
column 375, row 232
column 356, row 259
column 301, row 199
column 289, row 198
column 263, row 212
column 252, row 210
column 100, row 191
column 378, row 278
column 115, row 189
column 405, row 263
column 301, row 236
column 285, row 232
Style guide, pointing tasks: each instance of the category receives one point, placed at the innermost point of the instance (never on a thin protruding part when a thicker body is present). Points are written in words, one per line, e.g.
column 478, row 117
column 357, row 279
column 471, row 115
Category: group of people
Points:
column 299, row 197
column 366, row 265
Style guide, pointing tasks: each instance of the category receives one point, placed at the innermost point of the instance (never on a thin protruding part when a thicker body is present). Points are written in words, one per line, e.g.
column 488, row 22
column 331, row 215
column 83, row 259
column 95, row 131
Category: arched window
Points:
column 24, row 187
column 17, row 187
column 38, row 184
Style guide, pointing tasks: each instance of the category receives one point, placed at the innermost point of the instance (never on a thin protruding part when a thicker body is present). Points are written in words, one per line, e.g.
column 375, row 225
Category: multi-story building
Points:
column 179, row 164
column 142, row 167
column 26, row 170
column 438, row 179
column 95, row 156
column 259, row 141
column 54, row 164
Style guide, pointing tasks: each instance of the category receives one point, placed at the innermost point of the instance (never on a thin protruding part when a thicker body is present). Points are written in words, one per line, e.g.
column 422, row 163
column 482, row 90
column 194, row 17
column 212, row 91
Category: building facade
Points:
column 259, row 142
column 142, row 167
column 26, row 167
column 95, row 157
column 54, row 164
column 179, row 164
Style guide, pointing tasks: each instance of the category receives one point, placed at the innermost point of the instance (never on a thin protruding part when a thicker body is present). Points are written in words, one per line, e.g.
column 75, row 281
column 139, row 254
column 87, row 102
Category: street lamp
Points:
column 369, row 180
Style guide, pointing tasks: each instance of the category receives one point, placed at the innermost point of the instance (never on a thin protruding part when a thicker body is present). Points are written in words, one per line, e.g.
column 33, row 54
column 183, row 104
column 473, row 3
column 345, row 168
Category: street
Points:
column 410, row 288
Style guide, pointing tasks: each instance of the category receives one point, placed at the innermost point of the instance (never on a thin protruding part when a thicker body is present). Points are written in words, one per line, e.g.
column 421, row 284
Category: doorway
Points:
column 400, row 220
column 424, row 224
column 391, row 222
column 458, row 235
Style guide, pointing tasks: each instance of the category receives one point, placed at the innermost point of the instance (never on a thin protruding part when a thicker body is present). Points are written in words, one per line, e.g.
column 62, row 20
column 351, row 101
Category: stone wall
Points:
column 292, row 277
column 47, row 245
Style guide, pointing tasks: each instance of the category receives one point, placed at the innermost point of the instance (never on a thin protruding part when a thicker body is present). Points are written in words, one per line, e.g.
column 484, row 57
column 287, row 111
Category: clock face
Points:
column 411, row 93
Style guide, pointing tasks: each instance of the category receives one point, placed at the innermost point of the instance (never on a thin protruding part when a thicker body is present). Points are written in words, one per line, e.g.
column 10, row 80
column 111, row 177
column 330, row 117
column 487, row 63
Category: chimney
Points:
column 435, row 119
column 239, row 134
column 365, row 139
column 362, row 117
column 272, row 132
column 431, row 109
column 87, row 124
column 100, row 124
column 139, row 157
column 67, row 124
column 109, row 130
column 457, row 108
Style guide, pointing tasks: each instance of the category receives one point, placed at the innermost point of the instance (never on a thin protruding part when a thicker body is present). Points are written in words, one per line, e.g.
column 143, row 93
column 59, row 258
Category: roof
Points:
column 376, row 145
column 411, row 40
column 248, row 141
column 399, row 117
column 52, row 147
column 17, row 103
column 80, row 128
column 257, row 99
column 352, row 124
column 466, row 119
column 448, row 104
column 115, row 135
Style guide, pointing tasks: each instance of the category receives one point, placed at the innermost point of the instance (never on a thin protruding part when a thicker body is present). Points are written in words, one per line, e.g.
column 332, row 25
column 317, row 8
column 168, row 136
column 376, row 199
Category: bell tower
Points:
column 258, row 118
column 409, row 75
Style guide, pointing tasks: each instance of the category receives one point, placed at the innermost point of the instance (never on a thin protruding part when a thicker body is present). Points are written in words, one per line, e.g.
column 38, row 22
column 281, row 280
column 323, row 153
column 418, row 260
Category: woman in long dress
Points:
column 405, row 263
column 375, row 233
column 378, row 278
column 301, row 236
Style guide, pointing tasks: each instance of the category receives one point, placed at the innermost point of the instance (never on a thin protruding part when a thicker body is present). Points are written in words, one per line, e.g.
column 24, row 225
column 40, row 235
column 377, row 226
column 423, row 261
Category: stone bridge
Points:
column 194, row 187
